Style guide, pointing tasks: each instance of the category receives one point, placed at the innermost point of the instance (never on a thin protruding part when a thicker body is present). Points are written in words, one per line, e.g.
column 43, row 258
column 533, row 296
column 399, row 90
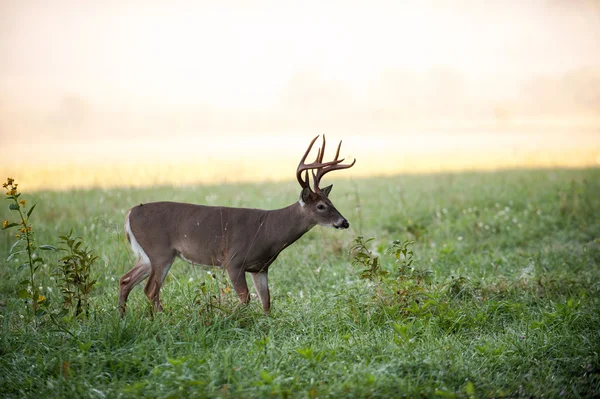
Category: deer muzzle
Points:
column 341, row 224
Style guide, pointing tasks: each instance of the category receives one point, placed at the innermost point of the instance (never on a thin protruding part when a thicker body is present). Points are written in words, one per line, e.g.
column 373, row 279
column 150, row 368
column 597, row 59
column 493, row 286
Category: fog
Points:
column 98, row 82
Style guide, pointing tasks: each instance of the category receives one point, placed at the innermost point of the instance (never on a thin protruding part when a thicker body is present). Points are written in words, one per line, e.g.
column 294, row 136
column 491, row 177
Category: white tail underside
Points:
column 137, row 249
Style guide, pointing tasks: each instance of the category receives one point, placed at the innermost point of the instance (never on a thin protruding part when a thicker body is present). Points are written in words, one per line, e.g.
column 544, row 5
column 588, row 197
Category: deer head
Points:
column 315, row 202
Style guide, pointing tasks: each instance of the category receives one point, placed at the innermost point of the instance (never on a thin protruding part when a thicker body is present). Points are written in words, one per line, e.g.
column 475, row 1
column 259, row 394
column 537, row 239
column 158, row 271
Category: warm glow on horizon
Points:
column 256, row 159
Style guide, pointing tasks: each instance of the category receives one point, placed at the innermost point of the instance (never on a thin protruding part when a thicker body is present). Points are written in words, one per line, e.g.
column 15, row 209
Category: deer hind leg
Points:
column 261, row 284
column 158, row 273
column 138, row 273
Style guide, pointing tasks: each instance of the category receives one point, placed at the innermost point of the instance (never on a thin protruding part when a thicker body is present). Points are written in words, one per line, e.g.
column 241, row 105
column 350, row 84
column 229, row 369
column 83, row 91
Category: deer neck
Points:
column 290, row 223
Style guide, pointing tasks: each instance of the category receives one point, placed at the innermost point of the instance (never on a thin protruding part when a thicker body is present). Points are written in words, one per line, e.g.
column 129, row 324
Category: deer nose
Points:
column 343, row 225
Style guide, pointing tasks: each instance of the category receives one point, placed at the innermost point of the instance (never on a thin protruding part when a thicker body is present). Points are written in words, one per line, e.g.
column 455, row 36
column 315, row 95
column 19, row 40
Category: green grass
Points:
column 512, row 308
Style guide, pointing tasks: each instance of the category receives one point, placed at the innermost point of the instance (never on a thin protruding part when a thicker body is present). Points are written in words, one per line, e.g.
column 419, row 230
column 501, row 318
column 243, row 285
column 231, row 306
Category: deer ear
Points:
column 327, row 190
column 304, row 196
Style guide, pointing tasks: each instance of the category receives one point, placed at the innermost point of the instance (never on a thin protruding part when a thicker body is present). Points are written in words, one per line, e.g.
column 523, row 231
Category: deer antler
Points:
column 321, row 167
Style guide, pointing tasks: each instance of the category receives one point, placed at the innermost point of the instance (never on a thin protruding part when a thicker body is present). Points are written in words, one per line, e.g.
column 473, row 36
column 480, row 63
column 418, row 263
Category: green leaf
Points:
column 401, row 330
column 13, row 207
column 14, row 245
column 266, row 377
column 445, row 394
column 84, row 347
column 23, row 294
column 470, row 389
column 177, row 361
column 306, row 353
column 12, row 255
column 30, row 210
column 47, row 247
column 8, row 226
column 90, row 285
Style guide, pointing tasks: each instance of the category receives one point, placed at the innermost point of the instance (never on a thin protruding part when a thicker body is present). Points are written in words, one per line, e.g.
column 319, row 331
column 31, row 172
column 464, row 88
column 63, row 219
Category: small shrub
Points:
column 403, row 290
column 363, row 257
column 73, row 274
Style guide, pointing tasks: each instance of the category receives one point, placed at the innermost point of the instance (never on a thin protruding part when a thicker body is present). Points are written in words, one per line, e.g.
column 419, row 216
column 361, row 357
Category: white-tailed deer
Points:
column 238, row 239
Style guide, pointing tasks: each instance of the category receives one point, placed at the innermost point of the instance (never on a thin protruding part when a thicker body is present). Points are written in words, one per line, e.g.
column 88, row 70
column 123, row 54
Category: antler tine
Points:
column 337, row 153
column 334, row 165
column 318, row 164
column 321, row 151
column 302, row 166
column 322, row 172
column 308, row 150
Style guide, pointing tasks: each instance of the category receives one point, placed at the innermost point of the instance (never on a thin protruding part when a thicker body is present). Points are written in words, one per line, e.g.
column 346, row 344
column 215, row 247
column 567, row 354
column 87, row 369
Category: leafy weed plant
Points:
column 364, row 257
column 74, row 274
column 403, row 288
column 25, row 244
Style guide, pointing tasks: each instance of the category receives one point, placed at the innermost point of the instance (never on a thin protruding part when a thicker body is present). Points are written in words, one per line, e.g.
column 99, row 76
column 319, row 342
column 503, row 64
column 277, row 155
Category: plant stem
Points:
column 29, row 255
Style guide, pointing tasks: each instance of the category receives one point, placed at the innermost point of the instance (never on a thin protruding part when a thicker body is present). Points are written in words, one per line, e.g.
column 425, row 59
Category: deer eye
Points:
column 321, row 207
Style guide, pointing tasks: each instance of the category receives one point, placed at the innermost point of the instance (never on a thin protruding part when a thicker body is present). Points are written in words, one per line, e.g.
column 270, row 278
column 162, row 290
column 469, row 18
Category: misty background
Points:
column 205, row 90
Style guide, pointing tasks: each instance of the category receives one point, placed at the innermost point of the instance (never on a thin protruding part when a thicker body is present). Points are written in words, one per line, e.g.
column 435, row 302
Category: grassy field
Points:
column 502, row 298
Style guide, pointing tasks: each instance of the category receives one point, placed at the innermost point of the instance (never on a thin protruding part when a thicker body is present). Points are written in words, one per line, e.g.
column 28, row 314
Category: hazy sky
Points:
column 82, row 69
column 244, row 54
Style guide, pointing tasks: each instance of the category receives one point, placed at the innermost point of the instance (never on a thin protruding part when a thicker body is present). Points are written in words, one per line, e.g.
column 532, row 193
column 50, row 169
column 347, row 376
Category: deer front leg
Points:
column 261, row 284
column 238, row 280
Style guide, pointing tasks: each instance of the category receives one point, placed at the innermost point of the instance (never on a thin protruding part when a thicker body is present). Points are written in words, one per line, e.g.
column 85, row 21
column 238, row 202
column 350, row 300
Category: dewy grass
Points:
column 506, row 305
